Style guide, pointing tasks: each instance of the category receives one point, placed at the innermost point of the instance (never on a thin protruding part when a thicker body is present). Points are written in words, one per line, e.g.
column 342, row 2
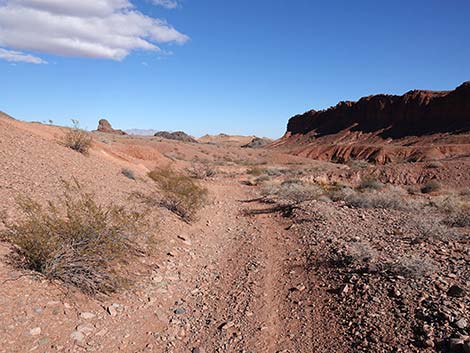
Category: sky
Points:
column 212, row 66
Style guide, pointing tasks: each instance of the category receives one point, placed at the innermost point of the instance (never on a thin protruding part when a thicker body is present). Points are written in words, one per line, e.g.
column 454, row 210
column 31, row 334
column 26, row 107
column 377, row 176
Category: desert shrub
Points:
column 180, row 193
column 448, row 204
column 434, row 165
column 256, row 171
column 75, row 240
column 77, row 139
column 385, row 200
column 276, row 171
column 431, row 186
column 412, row 266
column 201, row 171
column 128, row 173
column 358, row 164
column 359, row 253
column 294, row 191
column 370, row 183
column 461, row 218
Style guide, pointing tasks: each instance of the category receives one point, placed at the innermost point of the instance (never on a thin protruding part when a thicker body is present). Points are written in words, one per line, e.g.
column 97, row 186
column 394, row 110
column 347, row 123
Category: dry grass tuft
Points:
column 181, row 194
column 370, row 183
column 431, row 186
column 201, row 171
column 128, row 173
column 77, row 139
column 75, row 241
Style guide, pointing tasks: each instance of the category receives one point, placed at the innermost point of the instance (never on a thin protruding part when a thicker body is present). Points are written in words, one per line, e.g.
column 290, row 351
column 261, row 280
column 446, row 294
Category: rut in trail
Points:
column 255, row 295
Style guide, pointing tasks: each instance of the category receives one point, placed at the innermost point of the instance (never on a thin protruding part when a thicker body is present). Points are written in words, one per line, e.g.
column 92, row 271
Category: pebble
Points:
column 77, row 336
column 456, row 291
column 87, row 316
column 461, row 324
column 35, row 331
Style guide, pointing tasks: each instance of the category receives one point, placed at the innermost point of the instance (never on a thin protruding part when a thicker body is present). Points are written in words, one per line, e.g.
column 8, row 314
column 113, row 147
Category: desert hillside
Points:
column 173, row 246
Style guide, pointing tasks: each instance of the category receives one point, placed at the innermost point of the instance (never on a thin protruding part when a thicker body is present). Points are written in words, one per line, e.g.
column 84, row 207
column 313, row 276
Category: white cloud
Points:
column 108, row 29
column 169, row 4
column 16, row 56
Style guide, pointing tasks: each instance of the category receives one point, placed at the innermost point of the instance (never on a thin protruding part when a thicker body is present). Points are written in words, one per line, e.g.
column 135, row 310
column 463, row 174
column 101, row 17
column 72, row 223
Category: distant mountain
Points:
column 142, row 132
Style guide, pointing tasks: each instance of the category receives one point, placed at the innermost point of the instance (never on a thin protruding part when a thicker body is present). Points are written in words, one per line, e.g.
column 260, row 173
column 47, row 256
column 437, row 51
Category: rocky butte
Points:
column 385, row 128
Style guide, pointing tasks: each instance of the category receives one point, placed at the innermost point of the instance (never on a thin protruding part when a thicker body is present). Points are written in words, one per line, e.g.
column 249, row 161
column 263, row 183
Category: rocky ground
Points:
column 249, row 275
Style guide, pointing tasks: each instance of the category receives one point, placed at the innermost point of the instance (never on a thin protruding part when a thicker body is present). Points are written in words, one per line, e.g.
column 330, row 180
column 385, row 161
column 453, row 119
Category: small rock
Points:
column 466, row 347
column 87, row 316
column 455, row 344
column 180, row 311
column 456, row 291
column 86, row 329
column 461, row 324
column 112, row 309
column 198, row 350
column 77, row 336
column 35, row 331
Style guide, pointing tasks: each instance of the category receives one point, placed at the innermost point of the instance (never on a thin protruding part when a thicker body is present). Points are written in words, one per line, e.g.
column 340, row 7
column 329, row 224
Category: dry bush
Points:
column 434, row 165
column 181, row 194
column 359, row 253
column 128, row 173
column 371, row 184
column 77, row 139
column 412, row 266
column 294, row 191
column 201, row 171
column 256, row 171
column 461, row 218
column 431, row 186
column 385, row 200
column 358, row 164
column 390, row 198
column 75, row 240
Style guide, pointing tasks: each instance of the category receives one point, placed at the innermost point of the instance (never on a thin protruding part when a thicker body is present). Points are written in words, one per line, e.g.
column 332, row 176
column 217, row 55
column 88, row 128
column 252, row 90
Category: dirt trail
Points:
column 251, row 293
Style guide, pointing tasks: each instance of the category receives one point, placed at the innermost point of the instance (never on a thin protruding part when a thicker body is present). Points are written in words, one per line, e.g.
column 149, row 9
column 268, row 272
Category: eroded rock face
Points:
column 415, row 113
column 417, row 126
column 177, row 136
column 105, row 126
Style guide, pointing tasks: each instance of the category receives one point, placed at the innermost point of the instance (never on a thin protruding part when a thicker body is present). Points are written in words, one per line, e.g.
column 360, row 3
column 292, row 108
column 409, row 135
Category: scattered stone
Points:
column 456, row 344
column 35, row 331
column 180, row 311
column 461, row 324
column 87, row 316
column 112, row 309
column 86, row 329
column 77, row 336
column 456, row 291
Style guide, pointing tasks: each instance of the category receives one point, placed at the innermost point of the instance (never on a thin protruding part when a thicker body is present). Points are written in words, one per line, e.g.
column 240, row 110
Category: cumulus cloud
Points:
column 17, row 56
column 169, row 4
column 108, row 29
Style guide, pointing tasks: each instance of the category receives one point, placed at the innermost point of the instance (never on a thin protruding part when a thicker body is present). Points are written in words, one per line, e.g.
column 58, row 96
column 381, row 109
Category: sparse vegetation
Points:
column 431, row 186
column 128, row 173
column 370, row 183
column 434, row 165
column 293, row 191
column 75, row 241
column 77, row 139
column 180, row 193
column 201, row 171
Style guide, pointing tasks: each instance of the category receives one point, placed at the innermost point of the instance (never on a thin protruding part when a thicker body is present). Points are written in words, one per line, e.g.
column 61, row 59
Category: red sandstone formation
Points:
column 418, row 126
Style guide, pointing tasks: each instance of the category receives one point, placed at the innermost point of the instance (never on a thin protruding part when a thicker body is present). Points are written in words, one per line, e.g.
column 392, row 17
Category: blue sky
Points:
column 240, row 67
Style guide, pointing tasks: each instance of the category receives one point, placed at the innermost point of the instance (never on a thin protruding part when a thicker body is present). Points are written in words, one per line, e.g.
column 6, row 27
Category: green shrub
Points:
column 180, row 193
column 74, row 240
